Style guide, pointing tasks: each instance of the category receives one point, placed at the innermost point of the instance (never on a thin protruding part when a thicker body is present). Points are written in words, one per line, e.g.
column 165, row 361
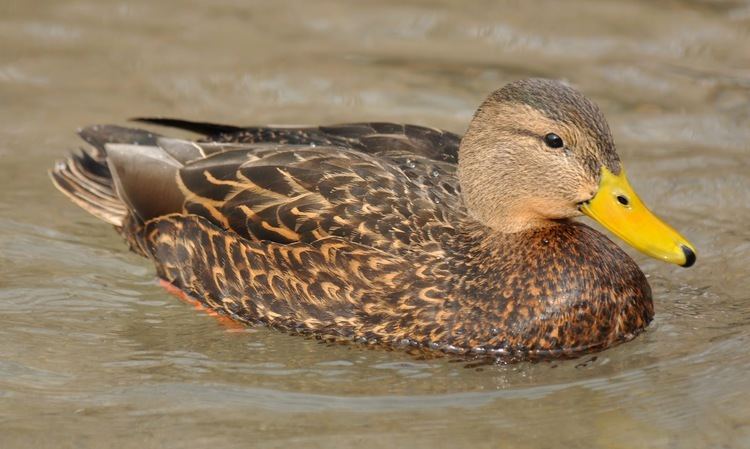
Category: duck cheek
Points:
column 556, row 209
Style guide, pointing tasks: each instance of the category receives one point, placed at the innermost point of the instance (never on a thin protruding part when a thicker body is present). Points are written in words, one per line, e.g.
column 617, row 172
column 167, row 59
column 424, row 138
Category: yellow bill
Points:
column 616, row 207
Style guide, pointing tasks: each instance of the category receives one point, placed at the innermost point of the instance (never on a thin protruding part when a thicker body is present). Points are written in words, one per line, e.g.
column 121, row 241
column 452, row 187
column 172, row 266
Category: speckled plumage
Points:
column 354, row 232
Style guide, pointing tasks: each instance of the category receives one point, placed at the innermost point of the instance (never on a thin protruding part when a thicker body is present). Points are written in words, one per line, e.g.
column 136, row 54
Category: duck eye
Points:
column 553, row 140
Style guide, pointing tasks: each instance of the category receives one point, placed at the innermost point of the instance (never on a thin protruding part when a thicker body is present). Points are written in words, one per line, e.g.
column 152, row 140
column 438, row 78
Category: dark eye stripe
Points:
column 553, row 140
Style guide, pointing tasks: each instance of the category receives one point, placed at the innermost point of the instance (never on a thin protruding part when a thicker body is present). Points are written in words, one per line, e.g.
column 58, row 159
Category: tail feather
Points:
column 98, row 136
column 87, row 188
column 86, row 177
column 207, row 129
column 92, row 166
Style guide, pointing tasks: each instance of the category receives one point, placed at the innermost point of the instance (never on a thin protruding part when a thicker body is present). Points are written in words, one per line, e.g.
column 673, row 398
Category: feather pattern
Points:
column 298, row 193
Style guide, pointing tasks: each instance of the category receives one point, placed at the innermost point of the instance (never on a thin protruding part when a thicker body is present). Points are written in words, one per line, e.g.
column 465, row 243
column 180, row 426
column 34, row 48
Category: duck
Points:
column 391, row 234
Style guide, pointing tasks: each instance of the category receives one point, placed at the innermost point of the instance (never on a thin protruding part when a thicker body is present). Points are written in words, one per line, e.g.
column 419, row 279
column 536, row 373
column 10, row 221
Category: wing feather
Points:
column 371, row 138
column 304, row 194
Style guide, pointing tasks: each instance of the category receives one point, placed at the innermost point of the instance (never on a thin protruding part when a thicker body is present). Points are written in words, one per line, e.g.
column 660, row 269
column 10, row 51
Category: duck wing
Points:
column 373, row 138
column 279, row 193
column 288, row 193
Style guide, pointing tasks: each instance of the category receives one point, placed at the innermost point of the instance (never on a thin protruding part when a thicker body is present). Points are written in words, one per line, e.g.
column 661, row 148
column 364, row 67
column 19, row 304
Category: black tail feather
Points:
column 100, row 135
column 97, row 167
column 207, row 129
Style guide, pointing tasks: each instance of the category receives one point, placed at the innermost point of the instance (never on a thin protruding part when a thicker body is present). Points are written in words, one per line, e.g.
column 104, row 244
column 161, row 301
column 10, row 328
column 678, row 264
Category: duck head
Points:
column 537, row 152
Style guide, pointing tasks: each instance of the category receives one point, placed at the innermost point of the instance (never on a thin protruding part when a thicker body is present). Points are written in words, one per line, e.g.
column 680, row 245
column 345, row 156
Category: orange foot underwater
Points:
column 224, row 320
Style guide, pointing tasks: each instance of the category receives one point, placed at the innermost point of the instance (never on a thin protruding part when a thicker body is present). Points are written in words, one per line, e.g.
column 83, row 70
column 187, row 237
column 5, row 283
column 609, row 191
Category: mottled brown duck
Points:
column 393, row 234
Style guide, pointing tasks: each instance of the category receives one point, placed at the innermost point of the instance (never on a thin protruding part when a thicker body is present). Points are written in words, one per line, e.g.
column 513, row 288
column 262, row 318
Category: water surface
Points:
column 94, row 354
